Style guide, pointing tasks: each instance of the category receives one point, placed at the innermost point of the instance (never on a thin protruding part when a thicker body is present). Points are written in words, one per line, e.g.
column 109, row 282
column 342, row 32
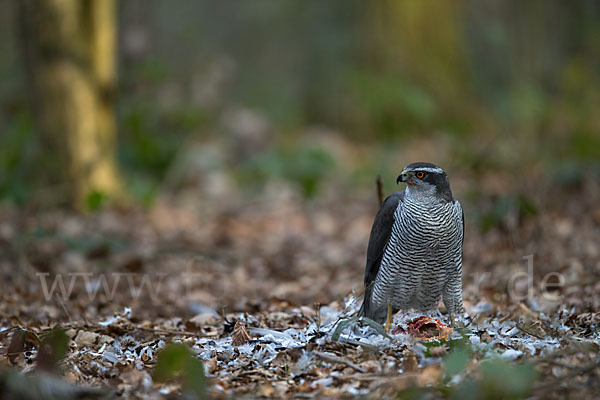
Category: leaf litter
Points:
column 249, row 313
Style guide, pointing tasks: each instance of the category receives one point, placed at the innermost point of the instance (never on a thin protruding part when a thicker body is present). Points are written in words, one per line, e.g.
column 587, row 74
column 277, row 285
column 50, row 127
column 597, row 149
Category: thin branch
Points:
column 337, row 360
column 379, row 182
column 530, row 333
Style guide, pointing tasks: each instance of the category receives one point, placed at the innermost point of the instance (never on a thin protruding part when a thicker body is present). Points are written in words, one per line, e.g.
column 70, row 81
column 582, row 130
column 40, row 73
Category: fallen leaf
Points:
column 212, row 365
column 240, row 335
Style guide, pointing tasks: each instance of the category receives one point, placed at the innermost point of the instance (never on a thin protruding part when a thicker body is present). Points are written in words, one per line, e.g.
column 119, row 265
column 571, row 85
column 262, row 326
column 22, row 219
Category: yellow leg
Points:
column 389, row 319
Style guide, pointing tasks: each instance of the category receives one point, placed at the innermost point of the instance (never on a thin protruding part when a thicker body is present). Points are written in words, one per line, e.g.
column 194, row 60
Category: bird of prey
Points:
column 414, row 255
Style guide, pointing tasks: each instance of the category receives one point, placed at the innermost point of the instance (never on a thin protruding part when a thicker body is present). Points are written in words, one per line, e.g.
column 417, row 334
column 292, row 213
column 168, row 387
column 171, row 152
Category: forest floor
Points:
column 264, row 292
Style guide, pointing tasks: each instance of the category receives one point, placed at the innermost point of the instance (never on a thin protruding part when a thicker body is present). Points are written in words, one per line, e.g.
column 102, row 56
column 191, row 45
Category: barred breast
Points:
column 422, row 257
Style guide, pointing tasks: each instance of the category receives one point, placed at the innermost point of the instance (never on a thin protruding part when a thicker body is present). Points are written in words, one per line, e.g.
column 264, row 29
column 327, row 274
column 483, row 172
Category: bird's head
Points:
column 426, row 180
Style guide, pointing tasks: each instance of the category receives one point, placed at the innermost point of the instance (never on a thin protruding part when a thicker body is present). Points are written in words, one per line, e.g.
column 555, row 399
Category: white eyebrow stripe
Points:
column 433, row 170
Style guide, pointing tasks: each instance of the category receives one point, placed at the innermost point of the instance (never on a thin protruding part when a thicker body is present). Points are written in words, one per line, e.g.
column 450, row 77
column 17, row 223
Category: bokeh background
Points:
column 234, row 96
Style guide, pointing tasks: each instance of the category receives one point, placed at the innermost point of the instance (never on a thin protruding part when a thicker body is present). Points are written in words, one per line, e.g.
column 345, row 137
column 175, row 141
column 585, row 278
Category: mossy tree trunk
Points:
column 423, row 43
column 69, row 52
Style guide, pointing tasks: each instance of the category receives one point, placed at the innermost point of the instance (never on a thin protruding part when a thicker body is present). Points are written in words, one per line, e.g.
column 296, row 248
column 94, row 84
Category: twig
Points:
column 317, row 308
column 367, row 346
column 559, row 363
column 166, row 332
column 62, row 303
column 95, row 328
column 525, row 330
column 337, row 360
column 379, row 182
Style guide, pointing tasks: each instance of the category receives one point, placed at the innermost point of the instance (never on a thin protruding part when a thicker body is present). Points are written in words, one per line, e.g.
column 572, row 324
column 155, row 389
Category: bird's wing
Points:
column 462, row 221
column 380, row 233
column 463, row 224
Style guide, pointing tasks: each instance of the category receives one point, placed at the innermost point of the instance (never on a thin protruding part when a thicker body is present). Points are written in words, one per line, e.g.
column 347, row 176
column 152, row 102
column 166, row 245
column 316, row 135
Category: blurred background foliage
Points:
column 215, row 95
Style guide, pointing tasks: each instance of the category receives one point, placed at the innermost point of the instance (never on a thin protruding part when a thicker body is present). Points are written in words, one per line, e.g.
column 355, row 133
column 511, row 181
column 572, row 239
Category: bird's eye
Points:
column 420, row 174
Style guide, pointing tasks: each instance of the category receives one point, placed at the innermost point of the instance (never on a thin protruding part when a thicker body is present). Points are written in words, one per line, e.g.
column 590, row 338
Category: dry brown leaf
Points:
column 240, row 335
column 20, row 341
column 266, row 390
column 17, row 345
column 212, row 365
column 438, row 351
column 410, row 364
column 85, row 338
column 430, row 375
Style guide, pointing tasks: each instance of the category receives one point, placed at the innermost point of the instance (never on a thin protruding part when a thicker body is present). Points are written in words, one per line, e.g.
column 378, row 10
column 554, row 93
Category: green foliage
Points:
column 414, row 392
column 142, row 188
column 15, row 158
column 497, row 379
column 150, row 70
column 53, row 349
column 85, row 244
column 177, row 362
column 459, row 345
column 94, row 200
column 145, row 147
column 491, row 379
column 518, row 203
column 586, row 145
column 456, row 361
column 150, row 140
column 432, row 344
column 306, row 166
column 88, row 244
column 389, row 105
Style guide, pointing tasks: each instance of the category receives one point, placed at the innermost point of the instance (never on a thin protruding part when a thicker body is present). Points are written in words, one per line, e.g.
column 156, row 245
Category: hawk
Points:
column 414, row 255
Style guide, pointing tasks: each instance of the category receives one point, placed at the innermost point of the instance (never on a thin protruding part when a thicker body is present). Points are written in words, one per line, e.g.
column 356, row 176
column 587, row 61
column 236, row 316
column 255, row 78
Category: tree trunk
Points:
column 69, row 52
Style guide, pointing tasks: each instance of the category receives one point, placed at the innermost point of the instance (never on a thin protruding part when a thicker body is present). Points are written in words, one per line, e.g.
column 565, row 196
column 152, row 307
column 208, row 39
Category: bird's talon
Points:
column 389, row 319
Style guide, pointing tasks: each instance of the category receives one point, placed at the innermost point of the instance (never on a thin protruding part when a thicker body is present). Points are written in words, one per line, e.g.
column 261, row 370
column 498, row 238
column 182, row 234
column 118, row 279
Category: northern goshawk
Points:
column 414, row 255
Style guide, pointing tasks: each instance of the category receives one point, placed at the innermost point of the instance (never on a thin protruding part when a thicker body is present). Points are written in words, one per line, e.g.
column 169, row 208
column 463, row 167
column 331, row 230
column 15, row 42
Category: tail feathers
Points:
column 363, row 311
column 371, row 310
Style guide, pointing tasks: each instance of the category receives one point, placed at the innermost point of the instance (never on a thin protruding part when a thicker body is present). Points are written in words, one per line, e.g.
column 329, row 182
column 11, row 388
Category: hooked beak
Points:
column 403, row 177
